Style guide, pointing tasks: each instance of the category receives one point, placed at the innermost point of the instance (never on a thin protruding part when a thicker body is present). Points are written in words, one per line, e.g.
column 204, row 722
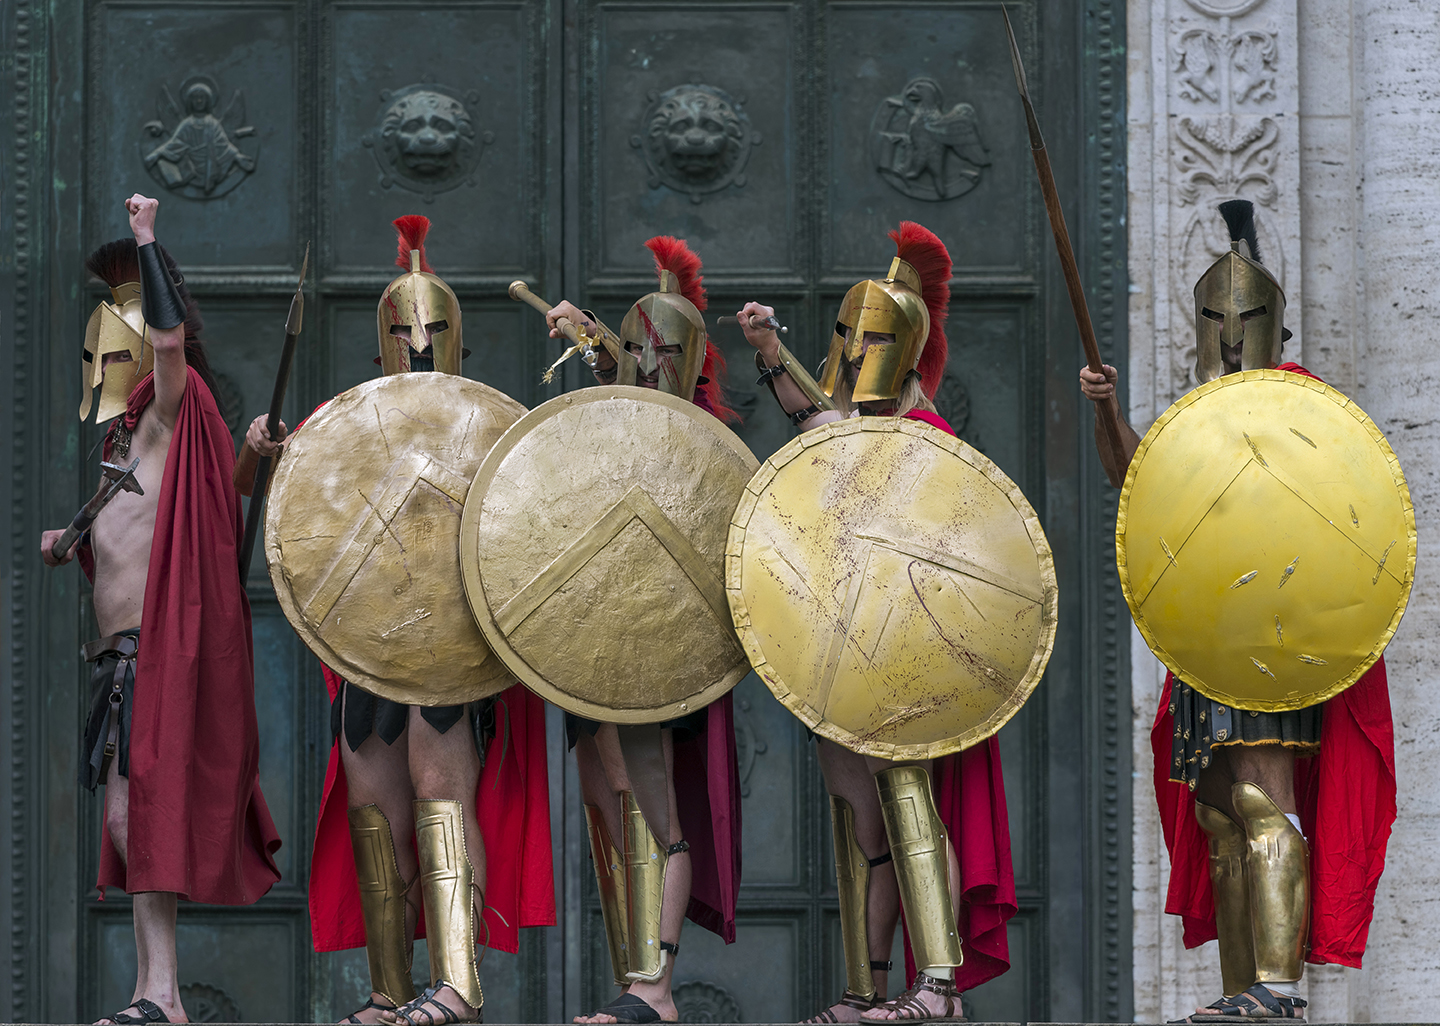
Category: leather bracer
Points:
column 161, row 304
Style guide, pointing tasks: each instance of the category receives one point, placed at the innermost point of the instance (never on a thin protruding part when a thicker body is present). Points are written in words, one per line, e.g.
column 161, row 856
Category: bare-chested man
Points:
column 184, row 816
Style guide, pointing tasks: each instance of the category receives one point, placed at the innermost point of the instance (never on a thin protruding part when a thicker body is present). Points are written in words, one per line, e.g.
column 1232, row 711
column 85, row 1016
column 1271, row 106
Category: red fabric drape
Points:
column 707, row 793
column 198, row 823
column 512, row 803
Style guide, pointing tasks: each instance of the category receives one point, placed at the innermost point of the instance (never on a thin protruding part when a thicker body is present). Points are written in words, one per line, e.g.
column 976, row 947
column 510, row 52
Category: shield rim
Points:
column 1346, row 404
column 473, row 579
column 1050, row 591
column 318, row 647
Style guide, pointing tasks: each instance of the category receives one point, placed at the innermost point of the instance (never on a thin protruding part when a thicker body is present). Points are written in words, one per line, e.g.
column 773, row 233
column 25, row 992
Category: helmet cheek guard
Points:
column 117, row 327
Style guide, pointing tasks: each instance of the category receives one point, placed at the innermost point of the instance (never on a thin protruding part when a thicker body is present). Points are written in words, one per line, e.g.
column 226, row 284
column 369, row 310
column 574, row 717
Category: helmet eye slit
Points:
column 1214, row 315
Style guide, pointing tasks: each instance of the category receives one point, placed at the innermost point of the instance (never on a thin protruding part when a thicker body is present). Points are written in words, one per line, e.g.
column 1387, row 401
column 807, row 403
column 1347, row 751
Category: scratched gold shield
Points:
column 593, row 549
column 362, row 529
column 1265, row 540
column 892, row 587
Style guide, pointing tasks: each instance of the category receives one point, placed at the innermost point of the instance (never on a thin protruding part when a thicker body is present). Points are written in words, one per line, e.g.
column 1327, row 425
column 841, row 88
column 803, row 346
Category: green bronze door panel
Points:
column 546, row 140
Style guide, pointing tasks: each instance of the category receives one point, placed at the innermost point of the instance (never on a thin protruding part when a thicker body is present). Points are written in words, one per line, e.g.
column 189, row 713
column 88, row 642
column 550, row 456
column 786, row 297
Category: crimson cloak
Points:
column 198, row 823
column 1346, row 800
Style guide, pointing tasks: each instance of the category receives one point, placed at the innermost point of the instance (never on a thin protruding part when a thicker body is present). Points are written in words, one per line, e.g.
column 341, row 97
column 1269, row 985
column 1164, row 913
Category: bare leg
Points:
column 847, row 776
column 157, row 972
column 676, row 900
column 933, row 1002
column 1269, row 767
column 379, row 774
column 446, row 767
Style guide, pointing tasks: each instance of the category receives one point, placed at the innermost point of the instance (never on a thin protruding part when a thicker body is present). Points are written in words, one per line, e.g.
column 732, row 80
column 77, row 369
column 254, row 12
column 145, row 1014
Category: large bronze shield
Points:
column 892, row 587
column 1265, row 540
column 361, row 535
column 593, row 549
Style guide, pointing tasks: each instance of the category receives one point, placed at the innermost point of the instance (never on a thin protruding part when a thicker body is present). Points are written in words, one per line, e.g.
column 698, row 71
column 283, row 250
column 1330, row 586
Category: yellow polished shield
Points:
column 361, row 534
column 593, row 548
column 1265, row 540
column 892, row 587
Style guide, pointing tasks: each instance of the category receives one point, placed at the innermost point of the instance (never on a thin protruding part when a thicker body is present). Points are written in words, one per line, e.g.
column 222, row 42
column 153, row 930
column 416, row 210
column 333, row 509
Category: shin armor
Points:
column 645, row 862
column 610, row 879
column 852, row 875
column 447, row 883
column 1232, row 898
column 1277, row 864
column 382, row 902
column 922, row 865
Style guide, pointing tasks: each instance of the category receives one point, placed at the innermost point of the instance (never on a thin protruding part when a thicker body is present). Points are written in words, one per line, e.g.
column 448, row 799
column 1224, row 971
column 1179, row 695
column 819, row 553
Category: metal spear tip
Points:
column 1015, row 62
column 304, row 266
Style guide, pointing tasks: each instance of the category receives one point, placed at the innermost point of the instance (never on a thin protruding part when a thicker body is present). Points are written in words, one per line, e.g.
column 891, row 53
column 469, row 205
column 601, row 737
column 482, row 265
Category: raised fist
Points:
column 142, row 210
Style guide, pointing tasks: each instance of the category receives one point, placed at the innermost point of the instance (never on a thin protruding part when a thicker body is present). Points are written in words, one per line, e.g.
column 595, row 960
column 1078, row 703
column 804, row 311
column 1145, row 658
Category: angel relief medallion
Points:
column 191, row 150
column 924, row 149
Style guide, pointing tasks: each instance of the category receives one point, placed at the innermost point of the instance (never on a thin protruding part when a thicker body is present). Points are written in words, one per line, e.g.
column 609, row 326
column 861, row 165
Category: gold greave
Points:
column 610, row 878
column 382, row 902
column 1277, row 863
column 852, row 875
column 1232, row 898
column 645, row 862
column 922, row 864
column 447, row 883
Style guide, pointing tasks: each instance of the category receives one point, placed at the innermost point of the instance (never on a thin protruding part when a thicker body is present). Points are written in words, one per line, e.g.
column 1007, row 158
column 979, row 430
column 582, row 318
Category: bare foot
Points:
column 424, row 1009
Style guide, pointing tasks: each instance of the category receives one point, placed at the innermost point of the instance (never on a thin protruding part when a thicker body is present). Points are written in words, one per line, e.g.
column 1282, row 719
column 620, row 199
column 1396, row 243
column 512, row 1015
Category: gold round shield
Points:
column 892, row 587
column 361, row 529
column 593, row 547
column 1265, row 540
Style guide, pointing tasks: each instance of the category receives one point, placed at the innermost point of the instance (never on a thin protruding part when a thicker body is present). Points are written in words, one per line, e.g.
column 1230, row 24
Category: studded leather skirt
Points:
column 1202, row 724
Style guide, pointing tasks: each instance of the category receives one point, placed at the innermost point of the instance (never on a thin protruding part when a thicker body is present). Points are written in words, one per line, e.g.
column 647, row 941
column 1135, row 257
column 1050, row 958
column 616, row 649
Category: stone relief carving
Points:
column 699, row 1001
column 425, row 139
column 208, row 1003
column 748, row 744
column 1228, row 143
column 696, row 140
column 952, row 399
column 190, row 151
column 924, row 149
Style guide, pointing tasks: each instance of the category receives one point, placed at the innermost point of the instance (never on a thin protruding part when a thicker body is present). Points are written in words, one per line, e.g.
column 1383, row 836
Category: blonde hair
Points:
column 912, row 396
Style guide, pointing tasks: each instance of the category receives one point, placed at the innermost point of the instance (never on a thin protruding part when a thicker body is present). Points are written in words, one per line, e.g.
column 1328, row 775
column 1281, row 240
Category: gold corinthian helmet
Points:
column 1239, row 306
column 663, row 334
column 418, row 317
column 910, row 303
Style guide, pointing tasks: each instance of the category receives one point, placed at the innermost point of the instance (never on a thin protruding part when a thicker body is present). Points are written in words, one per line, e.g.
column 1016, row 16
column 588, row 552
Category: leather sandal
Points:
column 629, row 1009
column 353, row 1017
column 909, row 1008
column 149, row 1013
column 851, row 1000
column 1254, row 1004
column 407, row 1012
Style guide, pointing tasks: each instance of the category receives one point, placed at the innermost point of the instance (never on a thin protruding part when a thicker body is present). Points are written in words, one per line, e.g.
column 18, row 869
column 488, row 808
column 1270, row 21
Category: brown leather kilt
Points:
column 1202, row 724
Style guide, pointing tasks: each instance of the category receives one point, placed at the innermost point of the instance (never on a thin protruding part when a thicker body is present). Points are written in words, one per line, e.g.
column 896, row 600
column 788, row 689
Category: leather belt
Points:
column 122, row 645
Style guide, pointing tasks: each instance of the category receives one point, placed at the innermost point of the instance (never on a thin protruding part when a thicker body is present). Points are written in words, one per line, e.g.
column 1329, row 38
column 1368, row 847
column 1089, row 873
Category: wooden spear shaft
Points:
column 1109, row 412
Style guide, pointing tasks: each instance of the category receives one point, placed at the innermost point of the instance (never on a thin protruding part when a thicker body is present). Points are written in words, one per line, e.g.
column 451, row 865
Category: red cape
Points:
column 199, row 826
column 707, row 793
column 512, row 803
column 970, row 796
column 1346, row 800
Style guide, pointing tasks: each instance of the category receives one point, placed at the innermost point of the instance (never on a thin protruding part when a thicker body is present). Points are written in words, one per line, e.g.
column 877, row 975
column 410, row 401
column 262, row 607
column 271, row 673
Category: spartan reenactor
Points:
column 438, row 757
column 172, row 731
column 1268, row 590
column 645, row 684
column 895, row 781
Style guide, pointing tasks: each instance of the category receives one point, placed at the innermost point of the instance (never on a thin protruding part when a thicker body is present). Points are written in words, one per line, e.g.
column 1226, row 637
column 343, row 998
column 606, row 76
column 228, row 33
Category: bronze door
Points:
column 546, row 139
